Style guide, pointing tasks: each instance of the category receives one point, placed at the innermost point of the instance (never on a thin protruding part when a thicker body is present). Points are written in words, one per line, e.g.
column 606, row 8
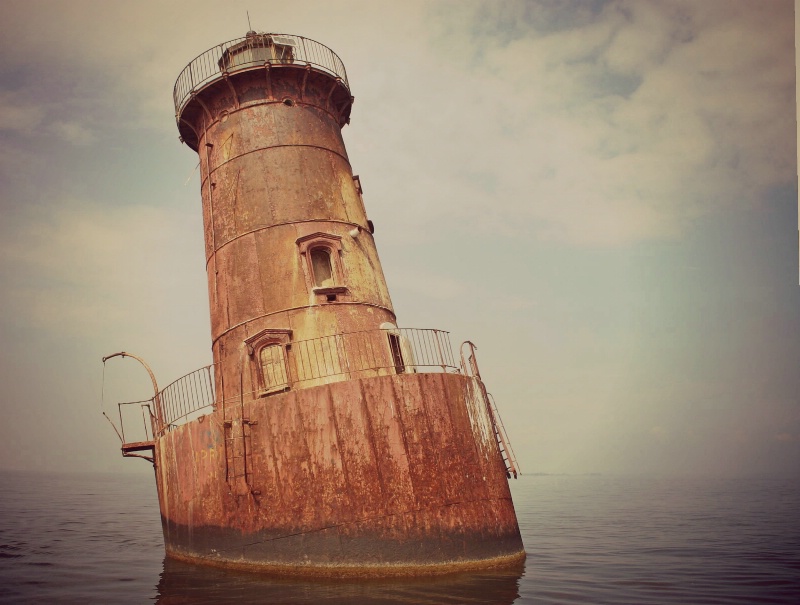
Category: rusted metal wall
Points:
column 274, row 170
column 386, row 473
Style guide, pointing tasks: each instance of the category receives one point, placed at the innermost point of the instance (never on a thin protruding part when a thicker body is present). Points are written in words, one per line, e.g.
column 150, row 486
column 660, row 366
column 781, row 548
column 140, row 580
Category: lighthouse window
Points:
column 268, row 354
column 321, row 267
column 397, row 353
column 258, row 49
column 272, row 360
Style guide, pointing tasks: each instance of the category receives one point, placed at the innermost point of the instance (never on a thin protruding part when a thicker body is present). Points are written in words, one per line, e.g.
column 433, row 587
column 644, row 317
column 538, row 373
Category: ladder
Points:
column 506, row 452
column 469, row 367
column 238, row 446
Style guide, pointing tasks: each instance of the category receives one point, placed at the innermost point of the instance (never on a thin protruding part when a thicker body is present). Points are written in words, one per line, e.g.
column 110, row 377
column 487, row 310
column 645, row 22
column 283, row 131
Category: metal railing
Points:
column 278, row 366
column 146, row 434
column 253, row 51
column 186, row 396
column 359, row 354
column 317, row 361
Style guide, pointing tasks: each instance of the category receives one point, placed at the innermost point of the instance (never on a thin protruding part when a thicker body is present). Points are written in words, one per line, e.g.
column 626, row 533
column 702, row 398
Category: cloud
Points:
column 425, row 283
column 73, row 132
column 18, row 117
column 81, row 267
column 625, row 128
column 610, row 122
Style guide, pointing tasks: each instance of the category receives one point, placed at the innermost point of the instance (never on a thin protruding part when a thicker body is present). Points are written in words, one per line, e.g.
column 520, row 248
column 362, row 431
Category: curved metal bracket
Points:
column 336, row 83
column 232, row 89
column 305, row 79
column 189, row 125
column 156, row 398
column 473, row 362
column 267, row 68
column 197, row 98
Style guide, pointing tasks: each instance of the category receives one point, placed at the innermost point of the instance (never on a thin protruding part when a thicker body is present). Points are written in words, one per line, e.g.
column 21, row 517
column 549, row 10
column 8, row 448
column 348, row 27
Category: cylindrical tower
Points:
column 336, row 442
column 289, row 249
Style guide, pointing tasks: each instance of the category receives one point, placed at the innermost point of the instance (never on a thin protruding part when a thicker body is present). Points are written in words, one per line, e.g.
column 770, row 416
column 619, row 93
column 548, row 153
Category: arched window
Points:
column 321, row 267
column 268, row 352
column 321, row 259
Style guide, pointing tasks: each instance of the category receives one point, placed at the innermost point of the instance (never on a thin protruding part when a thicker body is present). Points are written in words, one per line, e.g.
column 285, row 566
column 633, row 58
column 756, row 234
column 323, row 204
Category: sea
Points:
column 96, row 538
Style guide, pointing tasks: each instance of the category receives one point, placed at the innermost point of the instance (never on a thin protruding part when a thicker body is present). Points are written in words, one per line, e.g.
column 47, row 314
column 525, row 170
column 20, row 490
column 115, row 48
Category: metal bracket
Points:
column 305, row 78
column 233, row 90
column 267, row 68
column 336, row 82
column 203, row 105
column 344, row 107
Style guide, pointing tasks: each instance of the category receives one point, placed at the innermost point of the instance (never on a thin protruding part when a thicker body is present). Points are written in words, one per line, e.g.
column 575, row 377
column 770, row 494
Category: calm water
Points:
column 590, row 539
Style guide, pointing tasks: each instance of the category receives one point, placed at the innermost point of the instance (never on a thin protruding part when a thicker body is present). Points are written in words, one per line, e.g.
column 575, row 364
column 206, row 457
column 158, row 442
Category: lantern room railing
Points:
column 251, row 52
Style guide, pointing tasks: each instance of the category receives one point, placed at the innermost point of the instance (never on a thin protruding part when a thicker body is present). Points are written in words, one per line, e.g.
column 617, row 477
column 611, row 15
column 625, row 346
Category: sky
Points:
column 601, row 195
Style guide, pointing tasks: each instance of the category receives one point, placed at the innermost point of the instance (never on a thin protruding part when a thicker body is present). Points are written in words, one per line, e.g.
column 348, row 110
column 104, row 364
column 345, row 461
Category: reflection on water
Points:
column 184, row 583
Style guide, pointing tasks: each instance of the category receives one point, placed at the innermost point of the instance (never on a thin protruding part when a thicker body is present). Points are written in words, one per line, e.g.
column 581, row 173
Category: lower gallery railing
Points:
column 306, row 363
column 312, row 362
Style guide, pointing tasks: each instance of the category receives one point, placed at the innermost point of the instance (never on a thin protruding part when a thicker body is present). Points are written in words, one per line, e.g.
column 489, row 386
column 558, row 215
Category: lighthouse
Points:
column 325, row 438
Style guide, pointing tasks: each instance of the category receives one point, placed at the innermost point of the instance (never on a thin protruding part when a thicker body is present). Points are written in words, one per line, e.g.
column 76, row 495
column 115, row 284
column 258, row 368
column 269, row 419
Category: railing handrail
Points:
column 174, row 382
column 186, row 395
column 205, row 67
column 421, row 348
column 389, row 330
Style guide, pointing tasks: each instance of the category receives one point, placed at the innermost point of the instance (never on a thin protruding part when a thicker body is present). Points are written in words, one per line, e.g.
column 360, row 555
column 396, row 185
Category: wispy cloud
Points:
column 73, row 132
column 17, row 116
column 67, row 268
column 617, row 131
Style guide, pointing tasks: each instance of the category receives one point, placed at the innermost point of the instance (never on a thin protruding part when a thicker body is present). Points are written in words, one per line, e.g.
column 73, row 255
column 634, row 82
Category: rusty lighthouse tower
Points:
column 324, row 438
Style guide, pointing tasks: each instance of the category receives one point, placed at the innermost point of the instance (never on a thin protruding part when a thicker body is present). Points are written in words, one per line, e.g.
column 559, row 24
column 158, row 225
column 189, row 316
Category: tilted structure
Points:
column 323, row 439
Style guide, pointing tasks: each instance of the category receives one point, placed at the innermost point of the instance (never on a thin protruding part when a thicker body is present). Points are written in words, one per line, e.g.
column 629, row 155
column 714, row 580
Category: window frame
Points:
column 333, row 245
column 315, row 277
column 255, row 344
column 396, row 352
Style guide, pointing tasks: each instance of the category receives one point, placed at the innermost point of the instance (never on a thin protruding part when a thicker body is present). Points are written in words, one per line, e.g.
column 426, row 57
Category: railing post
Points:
column 144, row 423
column 210, row 383
column 439, row 348
column 121, row 424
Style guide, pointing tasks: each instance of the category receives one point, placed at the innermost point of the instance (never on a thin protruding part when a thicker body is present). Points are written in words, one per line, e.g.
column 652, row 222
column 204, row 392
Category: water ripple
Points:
column 606, row 540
